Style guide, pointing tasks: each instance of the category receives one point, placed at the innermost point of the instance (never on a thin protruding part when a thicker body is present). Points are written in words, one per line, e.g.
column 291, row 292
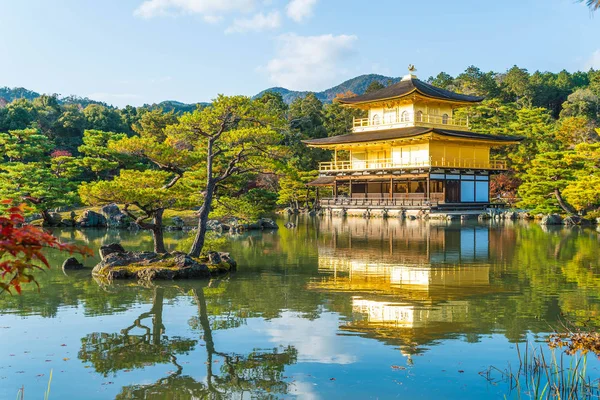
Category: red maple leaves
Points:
column 21, row 247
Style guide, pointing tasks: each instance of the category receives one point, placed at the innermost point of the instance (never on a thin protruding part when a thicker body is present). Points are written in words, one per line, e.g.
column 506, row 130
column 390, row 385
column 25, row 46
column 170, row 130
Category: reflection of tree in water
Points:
column 111, row 352
column 257, row 373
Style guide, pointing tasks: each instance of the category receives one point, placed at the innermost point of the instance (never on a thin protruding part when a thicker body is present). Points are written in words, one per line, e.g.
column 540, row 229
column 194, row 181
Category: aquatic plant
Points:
column 546, row 376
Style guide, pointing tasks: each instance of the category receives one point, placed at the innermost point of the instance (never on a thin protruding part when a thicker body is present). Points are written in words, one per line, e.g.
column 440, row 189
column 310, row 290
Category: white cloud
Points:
column 316, row 341
column 309, row 62
column 210, row 8
column 258, row 22
column 594, row 61
column 298, row 10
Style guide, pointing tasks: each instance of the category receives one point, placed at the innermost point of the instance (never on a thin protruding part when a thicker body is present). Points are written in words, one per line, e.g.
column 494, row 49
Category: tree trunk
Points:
column 206, row 332
column 46, row 217
column 157, row 311
column 198, row 244
column 157, row 232
column 563, row 204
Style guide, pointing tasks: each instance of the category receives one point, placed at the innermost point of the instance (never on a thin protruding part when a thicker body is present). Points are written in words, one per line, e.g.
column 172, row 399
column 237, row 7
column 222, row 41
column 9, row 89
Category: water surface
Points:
column 336, row 308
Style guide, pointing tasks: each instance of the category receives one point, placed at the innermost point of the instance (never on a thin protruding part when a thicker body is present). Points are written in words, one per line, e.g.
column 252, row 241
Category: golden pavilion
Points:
column 410, row 152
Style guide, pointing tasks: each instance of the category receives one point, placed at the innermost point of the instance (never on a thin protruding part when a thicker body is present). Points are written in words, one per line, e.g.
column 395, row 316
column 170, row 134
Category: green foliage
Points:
column 294, row 191
column 251, row 206
column 104, row 118
column 572, row 173
column 153, row 123
column 24, row 145
column 37, row 184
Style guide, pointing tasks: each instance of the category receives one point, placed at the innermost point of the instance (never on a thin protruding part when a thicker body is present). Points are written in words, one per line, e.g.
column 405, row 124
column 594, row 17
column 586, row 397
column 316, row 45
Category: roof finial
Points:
column 411, row 70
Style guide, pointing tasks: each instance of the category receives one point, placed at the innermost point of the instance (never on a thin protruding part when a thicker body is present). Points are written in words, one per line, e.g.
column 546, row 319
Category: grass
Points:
column 546, row 376
column 21, row 392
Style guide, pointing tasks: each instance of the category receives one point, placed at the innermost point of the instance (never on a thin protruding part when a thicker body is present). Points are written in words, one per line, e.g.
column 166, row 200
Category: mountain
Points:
column 177, row 106
column 10, row 94
column 356, row 85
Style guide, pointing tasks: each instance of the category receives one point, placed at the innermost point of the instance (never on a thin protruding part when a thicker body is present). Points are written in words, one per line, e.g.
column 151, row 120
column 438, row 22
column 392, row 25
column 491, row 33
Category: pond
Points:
column 335, row 308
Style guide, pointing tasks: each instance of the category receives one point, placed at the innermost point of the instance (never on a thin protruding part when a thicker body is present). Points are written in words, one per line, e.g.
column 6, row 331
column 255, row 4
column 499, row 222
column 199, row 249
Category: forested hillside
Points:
column 64, row 143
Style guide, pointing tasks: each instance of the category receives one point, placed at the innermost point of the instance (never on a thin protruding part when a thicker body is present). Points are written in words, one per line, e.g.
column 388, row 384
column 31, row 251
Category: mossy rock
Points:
column 148, row 266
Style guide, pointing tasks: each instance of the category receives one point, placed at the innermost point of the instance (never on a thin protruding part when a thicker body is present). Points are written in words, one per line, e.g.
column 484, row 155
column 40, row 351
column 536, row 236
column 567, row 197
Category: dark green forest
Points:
column 50, row 146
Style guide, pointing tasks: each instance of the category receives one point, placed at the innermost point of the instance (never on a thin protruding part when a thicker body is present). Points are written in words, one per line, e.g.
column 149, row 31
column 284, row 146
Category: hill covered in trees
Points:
column 558, row 114
column 356, row 85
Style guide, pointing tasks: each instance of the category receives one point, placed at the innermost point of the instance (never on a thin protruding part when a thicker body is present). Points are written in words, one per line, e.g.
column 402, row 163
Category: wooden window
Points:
column 419, row 116
column 405, row 116
column 445, row 118
column 376, row 119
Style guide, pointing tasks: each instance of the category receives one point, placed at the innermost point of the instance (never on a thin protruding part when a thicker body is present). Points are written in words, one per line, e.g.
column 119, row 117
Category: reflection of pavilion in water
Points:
column 410, row 283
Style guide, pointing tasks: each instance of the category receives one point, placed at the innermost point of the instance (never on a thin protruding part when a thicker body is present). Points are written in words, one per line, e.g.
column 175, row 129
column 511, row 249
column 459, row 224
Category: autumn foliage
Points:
column 21, row 248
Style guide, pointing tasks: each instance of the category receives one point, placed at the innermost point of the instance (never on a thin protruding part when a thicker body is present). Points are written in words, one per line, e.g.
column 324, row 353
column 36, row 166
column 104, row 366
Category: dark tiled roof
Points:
column 408, row 86
column 399, row 133
column 322, row 181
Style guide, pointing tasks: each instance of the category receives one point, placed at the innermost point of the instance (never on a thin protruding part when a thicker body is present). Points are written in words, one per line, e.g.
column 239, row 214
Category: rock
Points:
column 525, row 215
column 118, row 221
column 453, row 217
column 598, row 221
column 54, row 219
column 484, row 216
column 67, row 222
column 109, row 249
column 214, row 225
column 178, row 222
column 412, row 217
column 91, row 219
column 290, row 211
column 214, row 257
column 266, row 223
column 552, row 219
column 573, row 220
column 153, row 266
column 512, row 215
column 290, row 225
column 312, row 213
column 110, row 209
column 72, row 263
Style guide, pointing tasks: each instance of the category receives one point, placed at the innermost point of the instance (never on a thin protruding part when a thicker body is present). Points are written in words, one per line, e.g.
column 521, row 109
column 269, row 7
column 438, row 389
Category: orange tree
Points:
column 21, row 248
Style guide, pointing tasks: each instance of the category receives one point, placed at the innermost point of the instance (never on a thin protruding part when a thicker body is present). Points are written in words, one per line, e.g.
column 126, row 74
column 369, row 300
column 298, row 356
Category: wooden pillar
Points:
column 391, row 188
column 335, row 157
column 428, row 188
column 335, row 190
column 350, row 187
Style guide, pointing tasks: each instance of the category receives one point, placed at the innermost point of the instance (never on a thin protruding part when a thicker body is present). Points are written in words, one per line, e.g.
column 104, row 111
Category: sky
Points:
column 146, row 51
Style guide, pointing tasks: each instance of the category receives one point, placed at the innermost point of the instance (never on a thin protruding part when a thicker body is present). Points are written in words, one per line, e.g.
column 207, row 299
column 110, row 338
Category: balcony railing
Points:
column 389, row 164
column 409, row 119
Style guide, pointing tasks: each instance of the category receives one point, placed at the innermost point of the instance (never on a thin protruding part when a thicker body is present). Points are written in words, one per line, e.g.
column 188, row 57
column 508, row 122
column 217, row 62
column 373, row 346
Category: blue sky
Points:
column 144, row 51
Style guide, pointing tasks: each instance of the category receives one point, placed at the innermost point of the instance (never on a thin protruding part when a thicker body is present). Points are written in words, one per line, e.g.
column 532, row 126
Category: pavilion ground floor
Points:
column 442, row 189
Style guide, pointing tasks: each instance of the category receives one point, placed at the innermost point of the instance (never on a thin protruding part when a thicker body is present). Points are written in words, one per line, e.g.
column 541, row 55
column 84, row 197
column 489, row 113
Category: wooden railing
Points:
column 384, row 200
column 389, row 164
column 410, row 119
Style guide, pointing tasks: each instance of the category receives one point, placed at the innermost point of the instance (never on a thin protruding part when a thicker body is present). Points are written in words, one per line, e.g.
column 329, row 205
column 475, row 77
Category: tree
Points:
column 574, row 130
column 552, row 174
column 98, row 157
column 38, row 185
column 153, row 123
column 150, row 192
column 235, row 135
column 103, row 118
column 23, row 145
column 581, row 103
column 516, row 84
column 442, row 80
column 338, row 118
column 21, row 248
column 592, row 4
column 373, row 87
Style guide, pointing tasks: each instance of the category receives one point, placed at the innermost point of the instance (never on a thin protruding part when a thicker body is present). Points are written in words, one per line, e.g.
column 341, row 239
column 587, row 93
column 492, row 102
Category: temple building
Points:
column 410, row 152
